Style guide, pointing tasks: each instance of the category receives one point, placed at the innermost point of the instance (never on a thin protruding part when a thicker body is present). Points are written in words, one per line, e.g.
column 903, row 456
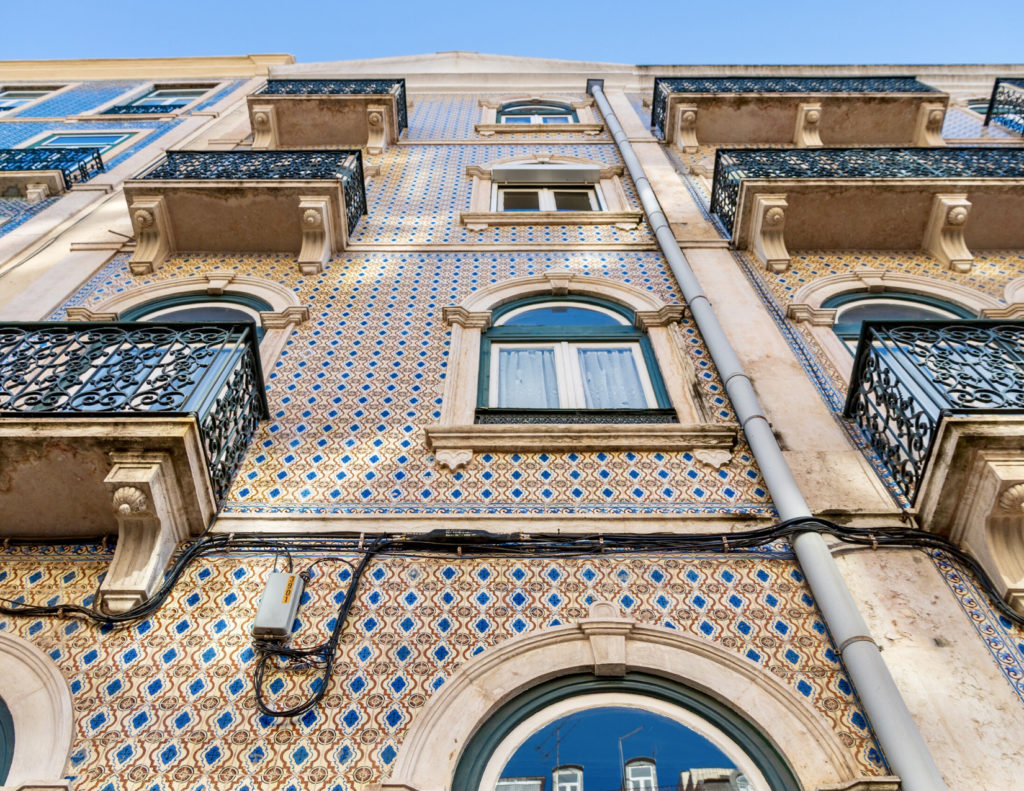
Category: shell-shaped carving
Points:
column 144, row 218
column 1013, row 498
column 128, row 499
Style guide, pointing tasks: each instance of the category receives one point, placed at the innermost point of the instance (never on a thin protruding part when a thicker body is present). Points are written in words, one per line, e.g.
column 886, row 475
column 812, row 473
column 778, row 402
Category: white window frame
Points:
column 568, row 374
column 635, row 781
column 44, row 91
column 151, row 98
column 546, row 195
column 559, row 783
column 123, row 137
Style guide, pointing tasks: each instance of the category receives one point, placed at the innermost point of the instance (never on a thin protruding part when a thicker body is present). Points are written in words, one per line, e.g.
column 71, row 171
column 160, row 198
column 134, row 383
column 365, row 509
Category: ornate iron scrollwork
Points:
column 75, row 164
column 1006, row 106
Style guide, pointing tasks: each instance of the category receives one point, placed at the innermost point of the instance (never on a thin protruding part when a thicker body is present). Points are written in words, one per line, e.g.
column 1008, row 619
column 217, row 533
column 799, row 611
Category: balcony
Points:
column 146, row 109
column 135, row 428
column 802, row 111
column 943, row 200
column 1006, row 107
column 304, row 202
column 36, row 173
column 941, row 404
column 367, row 114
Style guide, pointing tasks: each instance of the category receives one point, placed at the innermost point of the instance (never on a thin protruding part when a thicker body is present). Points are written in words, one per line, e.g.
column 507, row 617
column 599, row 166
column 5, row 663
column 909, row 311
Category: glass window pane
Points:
column 556, row 119
column 521, row 200
column 610, row 379
column 527, row 379
column 516, row 119
column 891, row 310
column 573, row 200
column 201, row 313
column 562, row 316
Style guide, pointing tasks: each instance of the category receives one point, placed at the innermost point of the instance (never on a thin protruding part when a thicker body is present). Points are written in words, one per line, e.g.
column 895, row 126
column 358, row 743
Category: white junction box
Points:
column 277, row 610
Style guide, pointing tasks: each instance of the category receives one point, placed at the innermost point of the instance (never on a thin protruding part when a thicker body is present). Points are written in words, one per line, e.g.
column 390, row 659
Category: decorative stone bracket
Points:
column 686, row 128
column 928, row 127
column 944, row 236
column 151, row 523
column 317, row 233
column 808, row 120
column 377, row 122
column 767, row 232
column 153, row 238
column 264, row 126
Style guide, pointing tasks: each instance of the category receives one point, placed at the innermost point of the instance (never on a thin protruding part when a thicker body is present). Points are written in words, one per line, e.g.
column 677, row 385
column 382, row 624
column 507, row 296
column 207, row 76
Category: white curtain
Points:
column 610, row 379
column 526, row 379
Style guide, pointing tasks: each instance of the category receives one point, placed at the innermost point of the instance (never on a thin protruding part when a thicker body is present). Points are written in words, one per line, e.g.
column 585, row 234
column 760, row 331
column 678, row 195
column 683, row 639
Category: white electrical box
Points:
column 278, row 606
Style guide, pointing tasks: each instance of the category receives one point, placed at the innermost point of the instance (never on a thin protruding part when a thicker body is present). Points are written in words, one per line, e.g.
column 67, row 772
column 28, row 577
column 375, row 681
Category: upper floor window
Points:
column 104, row 141
column 852, row 310
column 547, row 199
column 575, row 354
column 201, row 308
column 536, row 112
column 14, row 96
column 170, row 96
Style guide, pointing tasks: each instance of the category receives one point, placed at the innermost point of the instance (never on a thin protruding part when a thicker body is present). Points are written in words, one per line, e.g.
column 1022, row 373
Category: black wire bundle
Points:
column 477, row 544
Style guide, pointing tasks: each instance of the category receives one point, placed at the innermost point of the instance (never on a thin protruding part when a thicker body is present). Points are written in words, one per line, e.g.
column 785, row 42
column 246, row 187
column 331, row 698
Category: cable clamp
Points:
column 361, row 536
column 874, row 541
column 857, row 638
column 460, row 552
column 725, row 543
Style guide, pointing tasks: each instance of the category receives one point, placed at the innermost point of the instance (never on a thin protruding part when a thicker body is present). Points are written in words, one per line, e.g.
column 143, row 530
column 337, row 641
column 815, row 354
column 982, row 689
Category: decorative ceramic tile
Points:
column 16, row 211
column 81, row 99
column 359, row 381
column 454, row 117
column 962, row 123
column 167, row 702
column 422, row 189
column 12, row 135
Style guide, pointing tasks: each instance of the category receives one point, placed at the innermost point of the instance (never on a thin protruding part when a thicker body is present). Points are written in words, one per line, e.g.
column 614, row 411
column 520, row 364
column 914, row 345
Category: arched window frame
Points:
column 850, row 332
column 613, row 207
column 584, row 118
column 252, row 306
column 285, row 315
column 457, row 436
column 625, row 333
column 535, row 111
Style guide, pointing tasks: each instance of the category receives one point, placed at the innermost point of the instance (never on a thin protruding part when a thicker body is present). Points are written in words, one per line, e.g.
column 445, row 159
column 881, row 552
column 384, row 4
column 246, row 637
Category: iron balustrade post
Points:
column 901, row 741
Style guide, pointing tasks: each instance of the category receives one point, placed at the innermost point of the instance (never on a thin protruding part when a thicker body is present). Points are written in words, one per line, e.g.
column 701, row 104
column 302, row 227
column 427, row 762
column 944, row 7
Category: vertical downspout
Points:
column 900, row 739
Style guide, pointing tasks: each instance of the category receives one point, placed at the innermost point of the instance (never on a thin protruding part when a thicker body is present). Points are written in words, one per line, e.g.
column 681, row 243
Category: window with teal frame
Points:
column 536, row 111
column 6, row 741
column 852, row 310
column 571, row 360
column 613, row 734
column 201, row 307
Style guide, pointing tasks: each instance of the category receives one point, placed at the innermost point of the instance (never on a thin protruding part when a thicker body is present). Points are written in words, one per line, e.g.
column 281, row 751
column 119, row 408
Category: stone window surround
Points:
column 588, row 124
column 64, row 87
column 456, row 437
column 278, row 324
column 617, row 211
column 38, row 697
column 610, row 645
column 807, row 302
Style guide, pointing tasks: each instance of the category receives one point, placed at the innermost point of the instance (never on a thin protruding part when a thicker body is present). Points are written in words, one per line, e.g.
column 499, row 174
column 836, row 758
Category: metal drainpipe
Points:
column 896, row 730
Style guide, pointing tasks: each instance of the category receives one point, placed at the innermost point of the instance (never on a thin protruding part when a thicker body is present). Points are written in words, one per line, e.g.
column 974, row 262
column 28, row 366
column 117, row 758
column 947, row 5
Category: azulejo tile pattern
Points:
column 359, row 381
column 16, row 211
column 81, row 99
column 962, row 123
column 422, row 189
column 167, row 702
column 454, row 117
column 1003, row 638
column 12, row 135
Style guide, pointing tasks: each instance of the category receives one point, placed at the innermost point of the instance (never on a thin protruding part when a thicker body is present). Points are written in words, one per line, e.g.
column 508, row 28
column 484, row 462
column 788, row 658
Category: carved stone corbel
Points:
column 264, row 126
column 767, row 231
column 216, row 282
column 453, row 459
column 686, row 128
column 944, row 235
column 151, row 523
column 607, row 629
column 152, row 229
column 36, row 191
column 808, row 120
column 377, row 124
column 317, row 232
column 928, row 127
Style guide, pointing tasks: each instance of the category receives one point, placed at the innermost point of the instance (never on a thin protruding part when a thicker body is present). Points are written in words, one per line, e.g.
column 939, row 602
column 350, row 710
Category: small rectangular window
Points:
column 173, row 96
column 547, row 199
column 99, row 140
column 16, row 95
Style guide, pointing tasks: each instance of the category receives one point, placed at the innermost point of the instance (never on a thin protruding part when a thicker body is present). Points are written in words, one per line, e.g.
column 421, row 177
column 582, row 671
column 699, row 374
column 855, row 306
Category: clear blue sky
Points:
column 628, row 31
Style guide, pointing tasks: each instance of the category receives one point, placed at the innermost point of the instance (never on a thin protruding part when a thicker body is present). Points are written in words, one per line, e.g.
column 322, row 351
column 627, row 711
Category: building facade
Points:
column 498, row 393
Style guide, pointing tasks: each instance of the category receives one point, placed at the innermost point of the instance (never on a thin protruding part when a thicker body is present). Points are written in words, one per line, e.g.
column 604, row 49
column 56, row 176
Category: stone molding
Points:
column 767, row 232
column 944, row 236
column 608, row 644
column 808, row 123
column 455, row 438
column 38, row 697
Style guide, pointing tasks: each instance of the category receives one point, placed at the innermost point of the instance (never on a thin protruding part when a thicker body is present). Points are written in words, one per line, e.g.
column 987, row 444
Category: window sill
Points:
column 453, row 446
column 487, row 130
column 479, row 220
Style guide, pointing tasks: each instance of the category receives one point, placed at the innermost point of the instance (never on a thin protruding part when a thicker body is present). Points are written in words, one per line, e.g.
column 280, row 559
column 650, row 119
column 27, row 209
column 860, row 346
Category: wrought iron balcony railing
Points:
column 907, row 376
column 666, row 86
column 209, row 371
column 395, row 87
column 346, row 166
column 734, row 165
column 144, row 109
column 75, row 164
column 1006, row 107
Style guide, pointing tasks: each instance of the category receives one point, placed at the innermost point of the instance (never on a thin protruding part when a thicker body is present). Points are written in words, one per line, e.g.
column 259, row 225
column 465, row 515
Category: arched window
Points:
column 852, row 310
column 581, row 732
column 542, row 359
column 536, row 111
column 201, row 307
